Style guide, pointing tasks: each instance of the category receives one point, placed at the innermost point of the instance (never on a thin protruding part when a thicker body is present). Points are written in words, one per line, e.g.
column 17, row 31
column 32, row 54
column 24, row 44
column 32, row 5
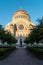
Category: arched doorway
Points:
column 21, row 38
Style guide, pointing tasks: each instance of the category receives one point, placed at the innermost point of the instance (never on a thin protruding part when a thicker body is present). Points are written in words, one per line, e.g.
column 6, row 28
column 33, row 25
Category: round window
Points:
column 21, row 27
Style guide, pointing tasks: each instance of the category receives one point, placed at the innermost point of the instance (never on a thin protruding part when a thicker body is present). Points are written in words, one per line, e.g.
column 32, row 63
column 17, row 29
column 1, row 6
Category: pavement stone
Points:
column 21, row 57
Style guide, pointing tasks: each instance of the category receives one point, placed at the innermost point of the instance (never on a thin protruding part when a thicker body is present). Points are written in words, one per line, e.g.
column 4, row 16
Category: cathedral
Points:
column 20, row 24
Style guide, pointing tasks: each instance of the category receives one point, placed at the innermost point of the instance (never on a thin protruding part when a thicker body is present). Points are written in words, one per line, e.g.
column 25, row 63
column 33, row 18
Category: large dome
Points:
column 21, row 14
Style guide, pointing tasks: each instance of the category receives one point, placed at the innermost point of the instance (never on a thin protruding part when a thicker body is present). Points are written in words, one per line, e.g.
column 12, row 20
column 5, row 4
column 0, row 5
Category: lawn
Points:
column 37, row 51
column 5, row 51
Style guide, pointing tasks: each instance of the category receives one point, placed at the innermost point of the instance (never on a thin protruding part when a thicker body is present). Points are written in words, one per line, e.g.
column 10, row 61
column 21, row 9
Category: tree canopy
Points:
column 6, row 37
column 37, row 33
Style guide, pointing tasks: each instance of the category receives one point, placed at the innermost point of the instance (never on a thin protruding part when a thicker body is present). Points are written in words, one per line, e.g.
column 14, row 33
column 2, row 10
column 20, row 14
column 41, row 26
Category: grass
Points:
column 4, row 52
column 37, row 51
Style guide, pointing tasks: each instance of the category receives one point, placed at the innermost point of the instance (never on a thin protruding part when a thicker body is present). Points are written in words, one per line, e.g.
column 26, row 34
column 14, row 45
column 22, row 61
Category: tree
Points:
column 37, row 33
column 6, row 37
column 10, row 39
column 2, row 34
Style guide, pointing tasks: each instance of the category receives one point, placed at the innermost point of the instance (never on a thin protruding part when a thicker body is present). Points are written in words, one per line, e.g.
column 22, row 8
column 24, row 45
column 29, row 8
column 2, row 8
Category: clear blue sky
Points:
column 9, row 7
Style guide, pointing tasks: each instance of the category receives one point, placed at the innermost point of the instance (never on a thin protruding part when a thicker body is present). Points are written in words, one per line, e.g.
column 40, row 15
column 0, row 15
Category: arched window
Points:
column 21, row 16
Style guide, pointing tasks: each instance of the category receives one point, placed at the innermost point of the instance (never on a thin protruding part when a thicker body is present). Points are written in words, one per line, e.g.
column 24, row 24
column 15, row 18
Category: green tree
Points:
column 6, row 37
column 10, row 39
column 37, row 33
column 2, row 34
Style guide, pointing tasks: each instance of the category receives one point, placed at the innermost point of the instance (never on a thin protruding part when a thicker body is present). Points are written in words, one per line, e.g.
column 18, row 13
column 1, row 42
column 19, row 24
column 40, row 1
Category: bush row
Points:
column 4, row 52
column 37, row 51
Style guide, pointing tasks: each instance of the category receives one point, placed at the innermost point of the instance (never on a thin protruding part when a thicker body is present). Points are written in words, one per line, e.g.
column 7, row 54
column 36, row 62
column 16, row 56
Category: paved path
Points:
column 21, row 57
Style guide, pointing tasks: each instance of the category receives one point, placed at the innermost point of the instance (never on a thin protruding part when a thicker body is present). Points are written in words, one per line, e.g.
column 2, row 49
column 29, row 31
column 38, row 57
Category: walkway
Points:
column 21, row 57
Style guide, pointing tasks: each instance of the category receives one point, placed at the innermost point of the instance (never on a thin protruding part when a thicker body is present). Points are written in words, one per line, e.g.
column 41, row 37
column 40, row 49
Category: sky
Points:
column 8, row 7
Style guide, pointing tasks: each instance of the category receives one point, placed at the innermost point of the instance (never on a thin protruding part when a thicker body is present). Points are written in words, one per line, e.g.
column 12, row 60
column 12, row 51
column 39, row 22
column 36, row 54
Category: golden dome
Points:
column 21, row 14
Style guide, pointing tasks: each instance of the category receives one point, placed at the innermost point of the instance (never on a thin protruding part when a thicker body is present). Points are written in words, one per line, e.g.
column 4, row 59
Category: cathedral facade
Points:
column 20, row 24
